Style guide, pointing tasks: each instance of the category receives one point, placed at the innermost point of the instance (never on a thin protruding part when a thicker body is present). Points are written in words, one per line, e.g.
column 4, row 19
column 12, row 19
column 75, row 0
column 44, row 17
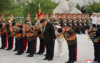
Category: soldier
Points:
column 28, row 19
column 71, row 39
column 88, row 22
column 10, row 36
column 74, row 23
column 2, row 19
column 95, row 37
column 53, row 20
column 16, row 40
column 11, row 21
column 62, row 22
column 11, row 18
column 19, row 37
column 79, row 25
column 3, row 33
column 40, row 35
column 36, row 20
column 83, row 23
column 3, row 37
column 31, row 36
column 67, row 20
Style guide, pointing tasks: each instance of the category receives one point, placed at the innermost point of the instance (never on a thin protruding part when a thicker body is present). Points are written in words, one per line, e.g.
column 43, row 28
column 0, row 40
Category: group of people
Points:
column 94, row 34
column 47, row 28
column 78, row 22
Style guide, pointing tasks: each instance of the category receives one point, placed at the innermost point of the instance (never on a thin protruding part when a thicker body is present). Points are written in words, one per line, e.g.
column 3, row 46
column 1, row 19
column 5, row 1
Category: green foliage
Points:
column 91, row 8
column 47, row 6
column 24, row 7
column 78, row 7
column 4, row 5
column 95, row 7
column 15, row 9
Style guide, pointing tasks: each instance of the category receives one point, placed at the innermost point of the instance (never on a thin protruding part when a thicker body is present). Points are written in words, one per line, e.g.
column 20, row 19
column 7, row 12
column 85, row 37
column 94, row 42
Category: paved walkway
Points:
column 85, row 51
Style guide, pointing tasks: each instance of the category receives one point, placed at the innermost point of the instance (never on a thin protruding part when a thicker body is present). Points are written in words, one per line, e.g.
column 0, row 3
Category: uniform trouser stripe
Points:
column 76, row 51
column 6, row 40
column 12, row 43
column 35, row 46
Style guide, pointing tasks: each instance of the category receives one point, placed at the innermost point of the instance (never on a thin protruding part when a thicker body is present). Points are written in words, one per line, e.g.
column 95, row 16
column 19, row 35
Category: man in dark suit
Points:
column 49, row 38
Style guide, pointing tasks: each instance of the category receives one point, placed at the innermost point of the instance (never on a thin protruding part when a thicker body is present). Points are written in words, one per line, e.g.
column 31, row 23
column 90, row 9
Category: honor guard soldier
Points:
column 10, row 36
column 74, row 23
column 52, row 19
column 16, row 40
column 79, row 25
column 19, row 37
column 36, row 20
column 83, row 23
column 71, row 39
column 88, row 21
column 11, row 18
column 2, row 19
column 3, row 33
column 28, row 19
column 31, row 36
column 62, row 22
column 3, row 37
column 67, row 20
column 40, row 35
column 11, row 21
column 95, row 37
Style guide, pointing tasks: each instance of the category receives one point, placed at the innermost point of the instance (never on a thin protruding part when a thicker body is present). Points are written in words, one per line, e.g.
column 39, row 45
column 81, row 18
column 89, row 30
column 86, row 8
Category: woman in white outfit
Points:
column 61, row 42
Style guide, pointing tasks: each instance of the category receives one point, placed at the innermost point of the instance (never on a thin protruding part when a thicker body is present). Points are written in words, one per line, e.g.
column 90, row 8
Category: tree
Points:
column 4, row 5
column 93, row 8
column 47, row 6
column 78, row 7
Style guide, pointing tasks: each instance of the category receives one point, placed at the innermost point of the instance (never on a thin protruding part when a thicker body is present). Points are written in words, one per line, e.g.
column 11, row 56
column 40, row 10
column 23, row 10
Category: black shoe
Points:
column 45, row 59
column 8, row 49
column 39, row 53
column 2, row 48
column 15, row 50
column 30, row 55
column 70, row 62
column 27, row 52
column 18, row 54
column 50, row 59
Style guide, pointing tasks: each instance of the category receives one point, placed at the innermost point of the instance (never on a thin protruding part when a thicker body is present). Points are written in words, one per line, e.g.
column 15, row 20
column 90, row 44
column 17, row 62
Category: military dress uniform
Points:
column 83, row 25
column 95, row 37
column 19, row 38
column 71, row 39
column 3, row 37
column 79, row 25
column 88, row 22
column 27, row 20
column 3, row 34
column 31, row 36
column 10, row 36
column 74, row 25
column 10, row 39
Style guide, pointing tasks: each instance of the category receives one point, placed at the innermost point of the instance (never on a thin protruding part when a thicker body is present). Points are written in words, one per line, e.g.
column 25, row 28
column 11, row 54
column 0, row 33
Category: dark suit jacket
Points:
column 49, row 33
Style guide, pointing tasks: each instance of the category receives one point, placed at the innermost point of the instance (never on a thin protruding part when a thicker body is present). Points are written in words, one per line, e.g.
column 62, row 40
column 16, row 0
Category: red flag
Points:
column 40, row 13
